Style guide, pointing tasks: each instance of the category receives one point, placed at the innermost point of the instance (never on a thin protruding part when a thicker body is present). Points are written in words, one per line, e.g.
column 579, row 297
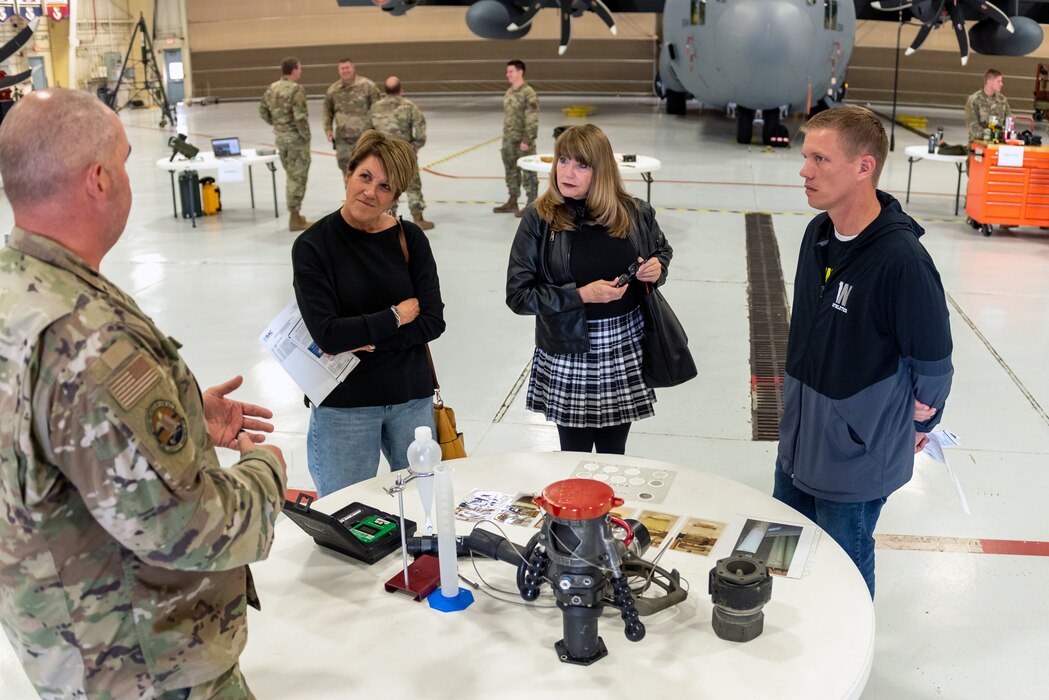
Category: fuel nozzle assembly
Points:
column 576, row 552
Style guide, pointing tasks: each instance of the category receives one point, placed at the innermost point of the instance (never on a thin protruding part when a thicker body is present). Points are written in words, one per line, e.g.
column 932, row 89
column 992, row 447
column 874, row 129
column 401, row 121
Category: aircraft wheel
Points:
column 744, row 124
column 676, row 102
column 768, row 129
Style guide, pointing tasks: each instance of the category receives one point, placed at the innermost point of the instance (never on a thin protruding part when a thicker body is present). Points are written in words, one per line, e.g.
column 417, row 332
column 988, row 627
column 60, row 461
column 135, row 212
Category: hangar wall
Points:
column 933, row 76
column 237, row 46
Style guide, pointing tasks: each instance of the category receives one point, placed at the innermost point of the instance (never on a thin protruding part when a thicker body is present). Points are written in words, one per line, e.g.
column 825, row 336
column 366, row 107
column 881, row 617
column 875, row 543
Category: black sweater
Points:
column 345, row 282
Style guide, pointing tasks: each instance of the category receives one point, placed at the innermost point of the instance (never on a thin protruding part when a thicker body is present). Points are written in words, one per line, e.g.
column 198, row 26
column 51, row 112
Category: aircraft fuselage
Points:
column 758, row 54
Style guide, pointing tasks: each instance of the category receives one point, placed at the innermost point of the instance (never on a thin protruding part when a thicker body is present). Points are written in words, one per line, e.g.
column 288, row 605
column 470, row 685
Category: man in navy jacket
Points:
column 869, row 354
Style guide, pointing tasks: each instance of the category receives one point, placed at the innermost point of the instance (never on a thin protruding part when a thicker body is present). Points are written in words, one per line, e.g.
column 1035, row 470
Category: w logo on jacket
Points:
column 842, row 299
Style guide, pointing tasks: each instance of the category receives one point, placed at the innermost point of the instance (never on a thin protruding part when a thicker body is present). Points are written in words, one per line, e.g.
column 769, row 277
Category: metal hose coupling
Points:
column 740, row 585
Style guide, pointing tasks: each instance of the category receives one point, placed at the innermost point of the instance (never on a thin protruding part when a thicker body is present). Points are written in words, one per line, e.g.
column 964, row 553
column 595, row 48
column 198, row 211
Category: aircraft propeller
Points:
column 568, row 9
column 9, row 49
column 935, row 13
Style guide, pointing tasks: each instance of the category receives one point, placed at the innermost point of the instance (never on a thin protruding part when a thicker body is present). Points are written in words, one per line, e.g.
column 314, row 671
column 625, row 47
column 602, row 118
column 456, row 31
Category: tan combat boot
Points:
column 520, row 212
column 296, row 222
column 417, row 217
column 509, row 208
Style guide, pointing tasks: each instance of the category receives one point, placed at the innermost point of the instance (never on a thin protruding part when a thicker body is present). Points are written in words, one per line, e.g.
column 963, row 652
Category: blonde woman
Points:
column 357, row 292
column 581, row 260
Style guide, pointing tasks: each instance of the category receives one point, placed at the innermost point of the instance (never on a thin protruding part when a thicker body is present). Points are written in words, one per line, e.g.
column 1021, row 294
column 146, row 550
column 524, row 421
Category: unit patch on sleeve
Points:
column 166, row 425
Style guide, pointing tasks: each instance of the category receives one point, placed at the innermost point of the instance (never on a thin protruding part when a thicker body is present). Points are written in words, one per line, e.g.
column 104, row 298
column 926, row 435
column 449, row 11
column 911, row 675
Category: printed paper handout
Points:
column 290, row 343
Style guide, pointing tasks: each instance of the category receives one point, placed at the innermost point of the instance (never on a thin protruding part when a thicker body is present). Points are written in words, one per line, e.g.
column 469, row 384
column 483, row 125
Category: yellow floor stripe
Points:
column 462, row 152
column 692, row 210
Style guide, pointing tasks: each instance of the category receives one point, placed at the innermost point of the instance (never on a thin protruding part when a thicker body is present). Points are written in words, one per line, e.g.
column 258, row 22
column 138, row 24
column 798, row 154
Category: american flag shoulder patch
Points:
column 131, row 384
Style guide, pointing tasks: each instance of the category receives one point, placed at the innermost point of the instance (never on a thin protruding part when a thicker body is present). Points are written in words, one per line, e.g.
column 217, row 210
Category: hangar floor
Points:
column 955, row 618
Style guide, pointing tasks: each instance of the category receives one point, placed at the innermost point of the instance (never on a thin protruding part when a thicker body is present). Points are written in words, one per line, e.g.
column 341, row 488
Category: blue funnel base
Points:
column 456, row 603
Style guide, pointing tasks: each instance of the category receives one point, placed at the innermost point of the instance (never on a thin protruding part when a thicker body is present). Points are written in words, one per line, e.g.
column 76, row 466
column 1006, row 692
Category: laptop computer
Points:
column 224, row 148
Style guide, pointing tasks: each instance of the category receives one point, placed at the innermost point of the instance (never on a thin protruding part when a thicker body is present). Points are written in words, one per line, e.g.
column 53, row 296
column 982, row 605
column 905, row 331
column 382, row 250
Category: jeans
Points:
column 343, row 444
column 851, row 525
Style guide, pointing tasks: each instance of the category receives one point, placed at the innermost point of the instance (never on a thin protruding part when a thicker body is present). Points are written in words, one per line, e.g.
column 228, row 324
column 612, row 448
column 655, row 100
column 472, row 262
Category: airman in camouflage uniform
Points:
column 520, row 128
column 985, row 103
column 123, row 544
column 346, row 105
column 283, row 107
column 395, row 115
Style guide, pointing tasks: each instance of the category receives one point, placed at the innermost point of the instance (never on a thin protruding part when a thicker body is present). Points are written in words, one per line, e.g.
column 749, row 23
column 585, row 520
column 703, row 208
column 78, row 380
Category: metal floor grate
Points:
column 769, row 325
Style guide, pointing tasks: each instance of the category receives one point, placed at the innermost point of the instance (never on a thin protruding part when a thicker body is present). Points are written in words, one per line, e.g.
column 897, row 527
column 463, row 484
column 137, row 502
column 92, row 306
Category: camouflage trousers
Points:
column 416, row 203
column 511, row 152
column 228, row 686
column 295, row 157
column 344, row 151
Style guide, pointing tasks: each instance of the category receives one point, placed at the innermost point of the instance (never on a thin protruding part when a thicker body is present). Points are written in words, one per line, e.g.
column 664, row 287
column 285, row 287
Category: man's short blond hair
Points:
column 49, row 140
column 396, row 155
column 860, row 133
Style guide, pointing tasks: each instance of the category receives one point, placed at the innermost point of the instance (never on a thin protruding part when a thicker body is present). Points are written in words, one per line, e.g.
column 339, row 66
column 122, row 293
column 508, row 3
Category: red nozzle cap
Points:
column 578, row 499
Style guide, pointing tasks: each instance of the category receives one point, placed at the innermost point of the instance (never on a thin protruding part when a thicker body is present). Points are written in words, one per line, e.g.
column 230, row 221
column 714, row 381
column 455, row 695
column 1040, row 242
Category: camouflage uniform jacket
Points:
column 520, row 115
column 123, row 543
column 283, row 107
column 979, row 108
column 398, row 116
column 347, row 106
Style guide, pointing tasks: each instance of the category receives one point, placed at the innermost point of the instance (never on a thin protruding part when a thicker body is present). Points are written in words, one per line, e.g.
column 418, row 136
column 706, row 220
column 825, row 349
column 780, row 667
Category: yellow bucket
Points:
column 577, row 110
column 913, row 121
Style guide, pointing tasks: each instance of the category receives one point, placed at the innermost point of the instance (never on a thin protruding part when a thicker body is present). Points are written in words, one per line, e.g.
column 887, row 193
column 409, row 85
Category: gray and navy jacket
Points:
column 864, row 344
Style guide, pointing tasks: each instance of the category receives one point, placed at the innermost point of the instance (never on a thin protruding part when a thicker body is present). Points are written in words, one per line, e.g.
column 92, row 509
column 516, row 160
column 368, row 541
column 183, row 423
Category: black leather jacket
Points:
column 539, row 282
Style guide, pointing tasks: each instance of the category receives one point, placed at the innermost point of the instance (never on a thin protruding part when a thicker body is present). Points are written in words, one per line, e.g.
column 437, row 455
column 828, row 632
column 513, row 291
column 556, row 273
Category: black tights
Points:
column 610, row 440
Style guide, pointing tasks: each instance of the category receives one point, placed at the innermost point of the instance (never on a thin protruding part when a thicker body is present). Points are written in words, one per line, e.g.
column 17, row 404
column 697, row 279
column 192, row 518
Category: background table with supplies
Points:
column 916, row 153
column 642, row 165
column 206, row 160
column 328, row 629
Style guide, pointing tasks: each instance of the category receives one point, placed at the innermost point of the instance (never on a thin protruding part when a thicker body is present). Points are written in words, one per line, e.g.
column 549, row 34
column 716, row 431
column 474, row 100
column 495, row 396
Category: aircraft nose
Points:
column 767, row 45
column 761, row 33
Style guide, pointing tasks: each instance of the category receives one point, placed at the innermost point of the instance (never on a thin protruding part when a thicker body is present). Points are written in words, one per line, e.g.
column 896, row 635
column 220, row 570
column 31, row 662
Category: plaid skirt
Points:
column 595, row 389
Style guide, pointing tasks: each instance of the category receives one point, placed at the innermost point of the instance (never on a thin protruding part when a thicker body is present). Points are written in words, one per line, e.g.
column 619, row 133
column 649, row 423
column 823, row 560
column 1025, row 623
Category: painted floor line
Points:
column 924, row 543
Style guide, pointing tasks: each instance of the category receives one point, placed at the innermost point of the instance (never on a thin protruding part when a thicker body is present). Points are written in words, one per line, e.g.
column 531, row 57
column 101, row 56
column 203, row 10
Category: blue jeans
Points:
column 850, row 524
column 343, row 444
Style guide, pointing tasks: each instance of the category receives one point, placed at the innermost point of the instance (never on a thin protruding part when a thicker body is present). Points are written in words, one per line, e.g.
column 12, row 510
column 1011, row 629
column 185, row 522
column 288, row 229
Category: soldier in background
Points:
column 395, row 115
column 346, row 105
column 283, row 107
column 123, row 544
column 520, row 128
column 986, row 102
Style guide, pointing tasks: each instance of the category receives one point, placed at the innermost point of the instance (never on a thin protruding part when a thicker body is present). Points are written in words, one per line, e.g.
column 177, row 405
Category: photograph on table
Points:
column 698, row 536
column 784, row 547
column 520, row 511
column 659, row 525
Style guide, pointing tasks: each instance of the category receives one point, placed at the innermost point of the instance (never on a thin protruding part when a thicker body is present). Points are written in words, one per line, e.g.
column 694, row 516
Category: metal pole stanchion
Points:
column 895, row 85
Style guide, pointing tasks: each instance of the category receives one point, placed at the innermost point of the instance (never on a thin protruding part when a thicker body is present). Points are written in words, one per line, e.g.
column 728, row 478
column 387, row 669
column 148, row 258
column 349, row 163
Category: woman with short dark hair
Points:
column 356, row 292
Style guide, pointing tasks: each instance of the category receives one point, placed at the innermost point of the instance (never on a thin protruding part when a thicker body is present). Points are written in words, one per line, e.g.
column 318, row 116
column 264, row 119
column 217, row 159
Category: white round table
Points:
column 206, row 160
column 641, row 165
column 328, row 629
column 916, row 153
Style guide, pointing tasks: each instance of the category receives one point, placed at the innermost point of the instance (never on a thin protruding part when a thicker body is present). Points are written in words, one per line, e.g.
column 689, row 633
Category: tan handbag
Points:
column 448, row 435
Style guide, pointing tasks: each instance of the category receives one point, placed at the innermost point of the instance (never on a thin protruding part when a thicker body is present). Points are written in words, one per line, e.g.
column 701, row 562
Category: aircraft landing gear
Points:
column 744, row 124
column 676, row 102
column 771, row 124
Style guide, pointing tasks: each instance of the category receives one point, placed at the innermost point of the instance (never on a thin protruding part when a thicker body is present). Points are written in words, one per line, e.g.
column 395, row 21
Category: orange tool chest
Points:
column 1005, row 195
